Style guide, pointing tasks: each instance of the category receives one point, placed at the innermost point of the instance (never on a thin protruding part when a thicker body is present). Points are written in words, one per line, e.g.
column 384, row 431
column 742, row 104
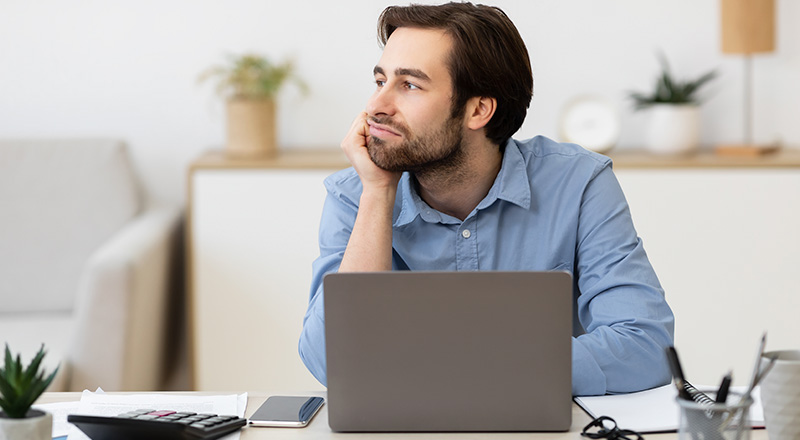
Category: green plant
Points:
column 20, row 387
column 251, row 76
column 670, row 91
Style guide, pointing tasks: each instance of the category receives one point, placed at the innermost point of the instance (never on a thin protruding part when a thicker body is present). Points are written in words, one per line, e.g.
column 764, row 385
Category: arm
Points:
column 370, row 245
column 622, row 307
column 352, row 237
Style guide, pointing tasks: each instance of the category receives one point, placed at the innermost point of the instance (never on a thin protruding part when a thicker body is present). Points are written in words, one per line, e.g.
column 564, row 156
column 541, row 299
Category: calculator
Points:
column 157, row 425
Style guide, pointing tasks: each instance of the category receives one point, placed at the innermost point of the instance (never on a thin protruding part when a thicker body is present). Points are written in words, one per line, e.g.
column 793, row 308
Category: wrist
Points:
column 379, row 193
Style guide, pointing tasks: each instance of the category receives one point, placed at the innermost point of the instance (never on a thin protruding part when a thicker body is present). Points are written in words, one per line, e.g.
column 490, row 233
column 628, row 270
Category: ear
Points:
column 480, row 110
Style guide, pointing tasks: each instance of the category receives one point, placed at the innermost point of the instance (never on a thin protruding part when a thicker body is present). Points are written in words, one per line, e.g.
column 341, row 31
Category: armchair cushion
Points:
column 60, row 200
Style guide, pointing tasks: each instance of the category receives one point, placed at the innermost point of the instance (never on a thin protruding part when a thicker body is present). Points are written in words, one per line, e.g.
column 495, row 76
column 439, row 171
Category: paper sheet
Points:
column 60, row 411
column 653, row 410
column 101, row 404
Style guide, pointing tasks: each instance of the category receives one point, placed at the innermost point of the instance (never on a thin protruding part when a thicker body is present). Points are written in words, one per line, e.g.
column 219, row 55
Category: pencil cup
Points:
column 717, row 421
column 780, row 394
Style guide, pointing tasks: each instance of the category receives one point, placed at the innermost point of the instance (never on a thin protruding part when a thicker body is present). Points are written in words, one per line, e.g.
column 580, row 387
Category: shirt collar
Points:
column 511, row 184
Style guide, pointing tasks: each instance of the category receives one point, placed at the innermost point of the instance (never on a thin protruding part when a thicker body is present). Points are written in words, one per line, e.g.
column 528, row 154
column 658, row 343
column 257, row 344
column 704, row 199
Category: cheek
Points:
column 426, row 115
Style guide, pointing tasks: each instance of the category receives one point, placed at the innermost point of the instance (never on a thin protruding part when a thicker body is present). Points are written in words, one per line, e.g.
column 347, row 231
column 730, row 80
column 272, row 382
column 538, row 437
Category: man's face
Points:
column 410, row 124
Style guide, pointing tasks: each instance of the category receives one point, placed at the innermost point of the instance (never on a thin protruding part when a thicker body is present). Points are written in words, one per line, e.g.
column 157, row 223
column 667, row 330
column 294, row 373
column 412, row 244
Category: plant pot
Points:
column 37, row 425
column 673, row 129
column 251, row 128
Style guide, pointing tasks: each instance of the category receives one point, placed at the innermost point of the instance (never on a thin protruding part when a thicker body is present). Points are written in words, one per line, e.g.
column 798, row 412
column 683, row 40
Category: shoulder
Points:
column 541, row 153
column 344, row 185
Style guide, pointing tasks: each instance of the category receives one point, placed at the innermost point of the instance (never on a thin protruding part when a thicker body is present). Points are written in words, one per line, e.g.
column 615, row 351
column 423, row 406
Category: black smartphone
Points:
column 286, row 411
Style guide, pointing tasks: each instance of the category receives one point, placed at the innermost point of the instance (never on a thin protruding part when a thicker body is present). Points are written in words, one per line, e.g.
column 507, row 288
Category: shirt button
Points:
column 465, row 233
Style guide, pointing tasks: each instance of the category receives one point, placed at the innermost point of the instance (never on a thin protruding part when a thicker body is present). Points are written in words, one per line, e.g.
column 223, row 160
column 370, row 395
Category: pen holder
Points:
column 718, row 421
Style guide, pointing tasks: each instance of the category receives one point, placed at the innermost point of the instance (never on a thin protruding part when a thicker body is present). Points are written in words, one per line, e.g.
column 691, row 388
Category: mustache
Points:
column 389, row 122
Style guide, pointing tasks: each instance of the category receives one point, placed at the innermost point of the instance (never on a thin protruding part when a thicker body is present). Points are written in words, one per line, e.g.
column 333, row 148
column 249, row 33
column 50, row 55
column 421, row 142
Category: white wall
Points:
column 128, row 69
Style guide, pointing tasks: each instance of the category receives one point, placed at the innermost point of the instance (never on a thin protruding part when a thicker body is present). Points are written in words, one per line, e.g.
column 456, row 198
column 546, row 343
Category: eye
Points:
column 380, row 82
column 411, row 86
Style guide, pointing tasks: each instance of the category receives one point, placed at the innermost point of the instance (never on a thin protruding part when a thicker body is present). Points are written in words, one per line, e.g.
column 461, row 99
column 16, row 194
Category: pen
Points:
column 677, row 373
column 722, row 392
column 755, row 377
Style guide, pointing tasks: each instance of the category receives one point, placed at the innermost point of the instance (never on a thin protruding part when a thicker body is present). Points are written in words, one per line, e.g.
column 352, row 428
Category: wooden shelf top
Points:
column 334, row 159
column 784, row 158
column 290, row 159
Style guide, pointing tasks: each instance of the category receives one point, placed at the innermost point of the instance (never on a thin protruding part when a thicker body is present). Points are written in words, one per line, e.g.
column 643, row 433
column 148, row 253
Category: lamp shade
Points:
column 748, row 26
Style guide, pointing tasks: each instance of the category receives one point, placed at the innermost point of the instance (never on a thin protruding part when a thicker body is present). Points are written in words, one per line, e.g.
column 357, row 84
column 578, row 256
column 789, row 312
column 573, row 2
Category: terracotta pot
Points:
column 37, row 425
column 251, row 128
column 673, row 129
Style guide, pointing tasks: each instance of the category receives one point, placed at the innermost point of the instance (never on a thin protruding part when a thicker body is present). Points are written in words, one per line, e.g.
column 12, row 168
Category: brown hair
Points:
column 488, row 58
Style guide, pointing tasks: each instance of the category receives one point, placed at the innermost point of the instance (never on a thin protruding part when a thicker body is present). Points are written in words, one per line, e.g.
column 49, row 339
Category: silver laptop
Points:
column 449, row 351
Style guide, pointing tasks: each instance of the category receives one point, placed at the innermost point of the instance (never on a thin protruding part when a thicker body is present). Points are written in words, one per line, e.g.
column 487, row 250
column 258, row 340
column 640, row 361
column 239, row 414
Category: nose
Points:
column 382, row 102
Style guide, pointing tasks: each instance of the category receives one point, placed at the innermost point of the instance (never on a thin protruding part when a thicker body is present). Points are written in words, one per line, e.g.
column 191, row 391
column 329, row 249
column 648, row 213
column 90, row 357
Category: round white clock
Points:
column 591, row 122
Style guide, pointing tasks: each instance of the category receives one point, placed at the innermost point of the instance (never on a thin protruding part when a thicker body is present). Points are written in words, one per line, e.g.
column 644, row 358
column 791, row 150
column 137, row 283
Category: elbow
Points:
column 314, row 361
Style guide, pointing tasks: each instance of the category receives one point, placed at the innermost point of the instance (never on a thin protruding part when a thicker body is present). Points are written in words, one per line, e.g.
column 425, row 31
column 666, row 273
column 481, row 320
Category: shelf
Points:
column 785, row 158
column 290, row 159
column 333, row 158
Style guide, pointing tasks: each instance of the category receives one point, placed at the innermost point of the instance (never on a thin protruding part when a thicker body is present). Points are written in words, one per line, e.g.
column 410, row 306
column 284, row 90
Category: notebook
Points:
column 449, row 351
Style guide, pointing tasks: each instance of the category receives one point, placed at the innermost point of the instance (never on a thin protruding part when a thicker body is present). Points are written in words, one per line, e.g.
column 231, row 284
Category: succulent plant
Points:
column 20, row 387
column 668, row 90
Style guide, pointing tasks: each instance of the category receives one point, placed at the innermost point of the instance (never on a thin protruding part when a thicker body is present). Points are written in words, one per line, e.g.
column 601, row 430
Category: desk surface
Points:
column 318, row 428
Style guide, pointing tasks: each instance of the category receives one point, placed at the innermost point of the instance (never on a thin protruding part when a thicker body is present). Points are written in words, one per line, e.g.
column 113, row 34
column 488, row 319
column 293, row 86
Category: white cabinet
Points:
column 725, row 244
column 252, row 238
column 722, row 234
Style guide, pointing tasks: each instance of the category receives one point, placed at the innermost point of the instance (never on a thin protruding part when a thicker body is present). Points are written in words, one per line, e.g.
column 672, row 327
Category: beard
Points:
column 426, row 154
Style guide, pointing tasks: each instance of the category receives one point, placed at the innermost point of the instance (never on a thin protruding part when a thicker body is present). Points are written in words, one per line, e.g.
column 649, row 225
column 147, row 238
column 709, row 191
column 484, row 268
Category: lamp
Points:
column 748, row 27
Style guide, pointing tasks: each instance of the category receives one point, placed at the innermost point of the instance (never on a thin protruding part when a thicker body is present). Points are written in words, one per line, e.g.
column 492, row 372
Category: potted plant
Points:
column 249, row 83
column 19, row 388
column 674, row 126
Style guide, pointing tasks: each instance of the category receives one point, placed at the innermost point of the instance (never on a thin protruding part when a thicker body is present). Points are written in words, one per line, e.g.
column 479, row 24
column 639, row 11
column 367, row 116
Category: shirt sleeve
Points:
column 621, row 303
column 336, row 224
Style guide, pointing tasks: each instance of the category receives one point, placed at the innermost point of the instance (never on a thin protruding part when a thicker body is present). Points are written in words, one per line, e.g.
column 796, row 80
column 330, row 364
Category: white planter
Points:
column 37, row 427
column 673, row 129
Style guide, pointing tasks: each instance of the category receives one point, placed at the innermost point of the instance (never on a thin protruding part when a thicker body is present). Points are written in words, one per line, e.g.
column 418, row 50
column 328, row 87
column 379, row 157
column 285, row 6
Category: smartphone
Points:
column 286, row 411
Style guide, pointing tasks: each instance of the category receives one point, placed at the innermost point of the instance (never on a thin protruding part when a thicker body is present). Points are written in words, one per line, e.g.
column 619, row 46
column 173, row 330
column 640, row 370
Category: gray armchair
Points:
column 85, row 267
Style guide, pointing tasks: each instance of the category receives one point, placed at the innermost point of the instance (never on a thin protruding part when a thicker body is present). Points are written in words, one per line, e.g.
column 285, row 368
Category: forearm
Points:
column 620, row 359
column 370, row 245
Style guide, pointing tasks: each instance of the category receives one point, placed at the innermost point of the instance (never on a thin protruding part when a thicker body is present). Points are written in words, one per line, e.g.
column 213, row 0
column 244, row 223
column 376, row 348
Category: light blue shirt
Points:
column 552, row 207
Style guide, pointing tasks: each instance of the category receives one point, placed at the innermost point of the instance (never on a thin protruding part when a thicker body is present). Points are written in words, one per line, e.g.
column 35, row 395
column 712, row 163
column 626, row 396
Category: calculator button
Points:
column 127, row 416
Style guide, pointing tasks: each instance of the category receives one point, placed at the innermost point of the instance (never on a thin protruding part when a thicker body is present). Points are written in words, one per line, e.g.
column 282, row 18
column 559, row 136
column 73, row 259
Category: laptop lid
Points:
column 449, row 351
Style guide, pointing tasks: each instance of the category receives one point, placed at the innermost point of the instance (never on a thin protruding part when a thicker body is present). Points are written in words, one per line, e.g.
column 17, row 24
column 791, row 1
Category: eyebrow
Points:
column 403, row 71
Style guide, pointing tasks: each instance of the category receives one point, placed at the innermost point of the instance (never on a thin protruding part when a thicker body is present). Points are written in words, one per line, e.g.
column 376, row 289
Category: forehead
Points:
column 427, row 50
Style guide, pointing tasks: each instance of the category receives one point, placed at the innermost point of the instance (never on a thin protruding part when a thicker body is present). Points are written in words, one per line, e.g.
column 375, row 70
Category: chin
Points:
column 382, row 155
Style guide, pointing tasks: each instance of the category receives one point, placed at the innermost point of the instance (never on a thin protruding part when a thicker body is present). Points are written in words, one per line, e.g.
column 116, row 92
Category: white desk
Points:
column 318, row 428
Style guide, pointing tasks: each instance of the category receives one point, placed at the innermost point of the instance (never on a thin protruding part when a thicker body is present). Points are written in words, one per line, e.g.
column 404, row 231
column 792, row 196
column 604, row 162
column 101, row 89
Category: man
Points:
column 437, row 183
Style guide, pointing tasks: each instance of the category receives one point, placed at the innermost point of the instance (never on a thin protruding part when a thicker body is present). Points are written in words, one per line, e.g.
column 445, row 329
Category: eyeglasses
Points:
column 606, row 428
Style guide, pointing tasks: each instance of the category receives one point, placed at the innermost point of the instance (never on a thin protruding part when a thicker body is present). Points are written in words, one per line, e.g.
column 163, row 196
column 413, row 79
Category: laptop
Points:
column 449, row 351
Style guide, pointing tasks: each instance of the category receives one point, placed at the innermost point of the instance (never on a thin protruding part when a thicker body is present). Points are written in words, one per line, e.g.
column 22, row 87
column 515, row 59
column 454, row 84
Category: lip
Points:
column 380, row 130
